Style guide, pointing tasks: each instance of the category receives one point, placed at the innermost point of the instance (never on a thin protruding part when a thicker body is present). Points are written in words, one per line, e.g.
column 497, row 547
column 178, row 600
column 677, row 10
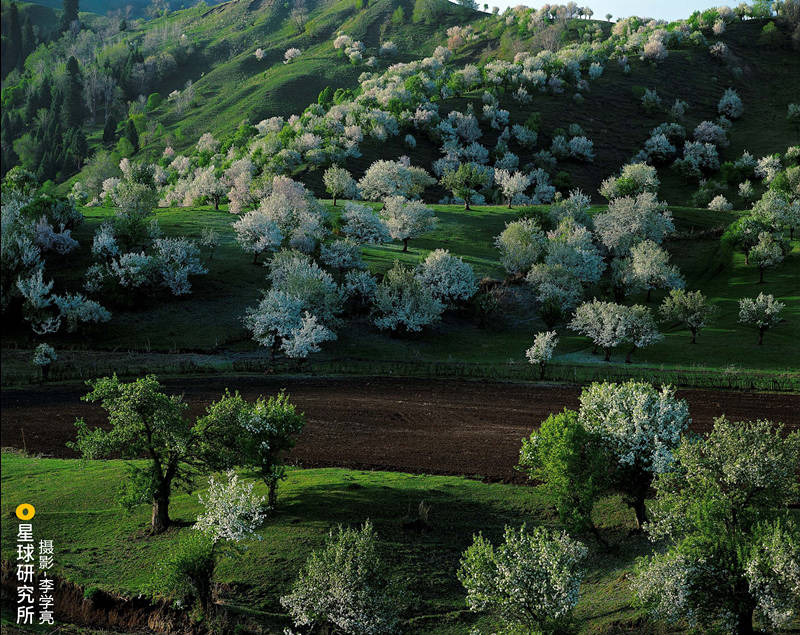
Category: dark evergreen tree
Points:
column 69, row 15
column 110, row 130
column 133, row 135
column 73, row 100
column 28, row 37
column 14, row 51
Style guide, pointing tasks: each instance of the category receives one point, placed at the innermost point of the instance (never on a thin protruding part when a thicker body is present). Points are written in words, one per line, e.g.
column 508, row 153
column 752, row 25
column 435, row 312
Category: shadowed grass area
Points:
column 97, row 544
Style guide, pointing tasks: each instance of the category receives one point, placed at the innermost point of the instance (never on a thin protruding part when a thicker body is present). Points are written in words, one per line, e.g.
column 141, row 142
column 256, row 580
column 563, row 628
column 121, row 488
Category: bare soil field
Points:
column 412, row 425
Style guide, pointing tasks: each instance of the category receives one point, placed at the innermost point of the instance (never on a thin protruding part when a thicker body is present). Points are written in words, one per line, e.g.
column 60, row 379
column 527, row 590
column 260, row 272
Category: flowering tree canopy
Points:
column 339, row 183
column 531, row 579
column 690, row 308
column 346, row 586
column 231, row 510
column 521, row 245
column 763, row 312
column 407, row 219
column 542, row 350
column 404, row 302
column 363, row 225
column 641, row 425
column 449, row 278
column 742, row 558
column 631, row 220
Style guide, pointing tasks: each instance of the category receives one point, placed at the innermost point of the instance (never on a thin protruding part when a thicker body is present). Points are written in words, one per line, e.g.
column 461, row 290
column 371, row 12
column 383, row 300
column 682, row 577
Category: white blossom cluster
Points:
column 529, row 579
column 543, row 346
column 642, row 424
column 231, row 511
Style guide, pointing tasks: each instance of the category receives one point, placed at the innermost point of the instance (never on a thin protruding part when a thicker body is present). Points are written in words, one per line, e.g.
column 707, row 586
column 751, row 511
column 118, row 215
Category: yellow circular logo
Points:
column 25, row 511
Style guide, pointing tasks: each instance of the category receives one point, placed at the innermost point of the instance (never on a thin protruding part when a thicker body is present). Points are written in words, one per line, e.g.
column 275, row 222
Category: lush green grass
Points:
column 209, row 320
column 99, row 545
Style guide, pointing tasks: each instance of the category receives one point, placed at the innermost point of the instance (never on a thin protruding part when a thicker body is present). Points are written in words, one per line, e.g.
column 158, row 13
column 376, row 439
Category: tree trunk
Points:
column 747, row 257
column 334, row 201
column 594, row 350
column 761, row 275
column 216, row 204
column 607, row 358
column 255, row 258
column 160, row 518
column 466, row 205
column 598, row 536
column 541, row 371
column 761, row 336
column 694, row 335
column 649, row 291
column 629, row 355
column 745, row 619
column 405, row 245
column 272, row 497
column 640, row 510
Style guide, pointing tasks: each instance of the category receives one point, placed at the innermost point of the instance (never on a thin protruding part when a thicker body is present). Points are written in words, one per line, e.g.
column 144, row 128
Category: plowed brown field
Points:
column 413, row 425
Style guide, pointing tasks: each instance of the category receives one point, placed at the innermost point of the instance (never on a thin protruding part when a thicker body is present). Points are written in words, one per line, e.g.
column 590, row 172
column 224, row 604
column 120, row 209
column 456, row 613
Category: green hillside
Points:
column 214, row 48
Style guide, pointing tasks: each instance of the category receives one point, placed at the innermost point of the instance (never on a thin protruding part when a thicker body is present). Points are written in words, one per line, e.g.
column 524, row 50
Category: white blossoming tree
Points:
column 339, row 183
column 762, row 312
column 406, row 219
column 231, row 514
column 720, row 204
column 649, row 268
column 346, row 587
column 449, row 278
column 342, row 255
column 576, row 206
column 363, row 225
column 231, row 511
column 542, row 350
column 640, row 329
column 634, row 179
column 689, row 308
column 602, row 322
column 641, row 426
column 730, row 105
column 511, row 184
column 307, row 337
column 43, row 357
column 734, row 549
column 207, row 185
column 385, row 179
column 766, row 253
column 571, row 246
column 291, row 54
column 175, row 259
column 405, row 303
column 276, row 320
column 521, row 245
column 558, row 291
column 531, row 580
column 632, row 219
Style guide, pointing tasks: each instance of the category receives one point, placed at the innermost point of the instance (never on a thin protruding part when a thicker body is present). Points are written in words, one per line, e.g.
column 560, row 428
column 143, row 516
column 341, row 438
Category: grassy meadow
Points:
column 208, row 322
column 99, row 545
